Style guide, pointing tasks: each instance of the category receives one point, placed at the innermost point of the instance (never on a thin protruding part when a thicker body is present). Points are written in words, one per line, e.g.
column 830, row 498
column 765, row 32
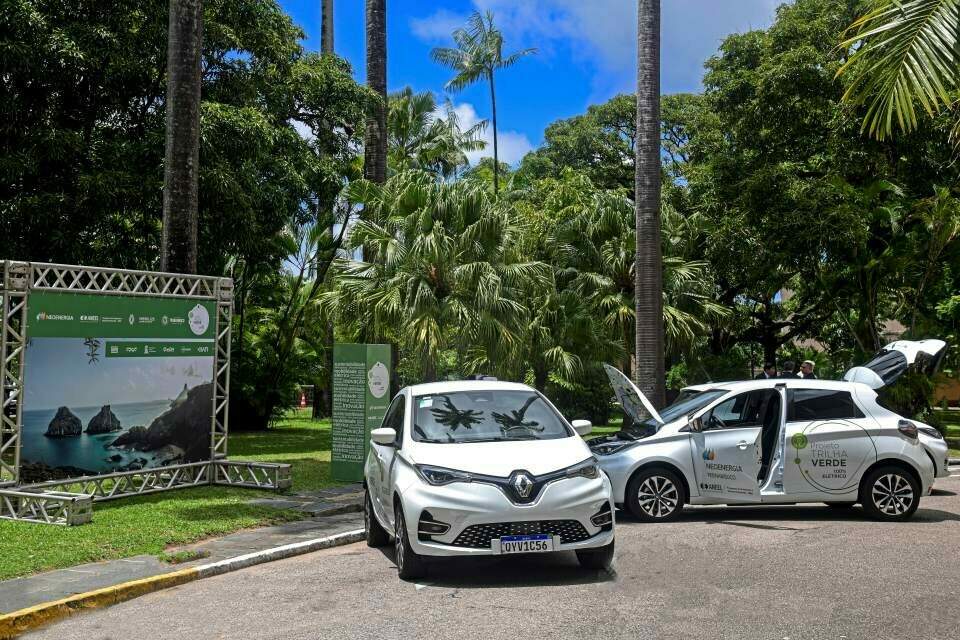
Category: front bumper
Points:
column 938, row 452
column 476, row 512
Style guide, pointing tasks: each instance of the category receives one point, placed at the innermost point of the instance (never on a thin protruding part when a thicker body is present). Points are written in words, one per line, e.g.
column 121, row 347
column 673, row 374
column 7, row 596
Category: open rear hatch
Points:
column 897, row 358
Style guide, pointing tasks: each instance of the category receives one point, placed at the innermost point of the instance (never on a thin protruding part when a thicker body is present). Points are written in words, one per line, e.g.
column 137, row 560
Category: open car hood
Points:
column 632, row 400
column 895, row 359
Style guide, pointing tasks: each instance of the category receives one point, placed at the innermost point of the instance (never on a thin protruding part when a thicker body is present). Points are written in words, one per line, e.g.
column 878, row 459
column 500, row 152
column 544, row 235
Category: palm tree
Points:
column 375, row 140
column 443, row 271
column 182, row 156
column 649, row 370
column 906, row 53
column 420, row 136
column 478, row 56
column 326, row 26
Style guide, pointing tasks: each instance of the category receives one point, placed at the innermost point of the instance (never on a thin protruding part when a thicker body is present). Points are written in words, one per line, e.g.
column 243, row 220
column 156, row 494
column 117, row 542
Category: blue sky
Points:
column 586, row 51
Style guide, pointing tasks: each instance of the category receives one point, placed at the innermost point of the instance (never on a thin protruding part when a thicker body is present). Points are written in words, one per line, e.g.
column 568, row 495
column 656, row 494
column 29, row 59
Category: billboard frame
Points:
column 17, row 281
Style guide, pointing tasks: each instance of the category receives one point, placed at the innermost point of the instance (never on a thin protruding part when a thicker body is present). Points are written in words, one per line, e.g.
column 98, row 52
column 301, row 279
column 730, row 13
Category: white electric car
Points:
column 775, row 441
column 484, row 468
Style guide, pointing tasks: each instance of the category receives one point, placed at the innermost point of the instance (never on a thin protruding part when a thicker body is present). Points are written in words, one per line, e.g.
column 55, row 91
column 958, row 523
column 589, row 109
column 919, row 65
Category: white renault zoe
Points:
column 484, row 468
column 775, row 441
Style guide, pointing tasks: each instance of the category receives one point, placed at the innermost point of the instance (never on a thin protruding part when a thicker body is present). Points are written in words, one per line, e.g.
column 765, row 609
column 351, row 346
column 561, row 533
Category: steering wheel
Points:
column 715, row 422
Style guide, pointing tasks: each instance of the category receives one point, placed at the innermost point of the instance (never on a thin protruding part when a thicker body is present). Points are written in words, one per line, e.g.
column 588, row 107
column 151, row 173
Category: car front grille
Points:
column 478, row 536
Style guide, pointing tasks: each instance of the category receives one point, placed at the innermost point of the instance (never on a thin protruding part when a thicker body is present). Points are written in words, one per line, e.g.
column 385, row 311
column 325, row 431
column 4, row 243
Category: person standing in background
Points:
column 788, row 370
column 806, row 370
column 769, row 371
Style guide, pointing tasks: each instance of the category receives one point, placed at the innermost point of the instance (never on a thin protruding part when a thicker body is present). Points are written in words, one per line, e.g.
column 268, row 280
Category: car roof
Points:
column 790, row 383
column 434, row 388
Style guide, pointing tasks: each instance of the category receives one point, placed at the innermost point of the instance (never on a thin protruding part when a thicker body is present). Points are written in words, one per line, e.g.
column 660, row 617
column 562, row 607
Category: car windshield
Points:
column 687, row 402
column 485, row 416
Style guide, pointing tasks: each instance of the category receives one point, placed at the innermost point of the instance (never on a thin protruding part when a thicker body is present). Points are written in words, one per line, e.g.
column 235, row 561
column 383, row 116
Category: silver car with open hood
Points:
column 775, row 441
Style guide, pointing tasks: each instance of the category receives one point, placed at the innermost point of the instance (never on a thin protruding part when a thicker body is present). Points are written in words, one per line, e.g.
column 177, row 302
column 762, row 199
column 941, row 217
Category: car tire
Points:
column 377, row 536
column 600, row 558
column 655, row 495
column 410, row 565
column 889, row 493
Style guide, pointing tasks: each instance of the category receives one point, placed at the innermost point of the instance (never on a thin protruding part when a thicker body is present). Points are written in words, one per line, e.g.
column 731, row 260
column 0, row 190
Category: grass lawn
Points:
column 951, row 420
column 148, row 524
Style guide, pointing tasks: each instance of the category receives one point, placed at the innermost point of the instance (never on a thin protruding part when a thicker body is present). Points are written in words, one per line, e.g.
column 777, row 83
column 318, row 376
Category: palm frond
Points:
column 907, row 55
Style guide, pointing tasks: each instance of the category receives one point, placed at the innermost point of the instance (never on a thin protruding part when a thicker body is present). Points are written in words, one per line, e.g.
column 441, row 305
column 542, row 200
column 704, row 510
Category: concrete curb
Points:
column 13, row 624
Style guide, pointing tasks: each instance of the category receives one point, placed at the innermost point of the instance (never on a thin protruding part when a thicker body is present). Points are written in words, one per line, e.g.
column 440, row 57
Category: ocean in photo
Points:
column 86, row 451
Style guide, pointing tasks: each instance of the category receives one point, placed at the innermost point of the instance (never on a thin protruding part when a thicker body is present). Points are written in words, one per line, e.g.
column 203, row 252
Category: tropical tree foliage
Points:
column 904, row 55
column 478, row 55
column 423, row 136
column 441, row 270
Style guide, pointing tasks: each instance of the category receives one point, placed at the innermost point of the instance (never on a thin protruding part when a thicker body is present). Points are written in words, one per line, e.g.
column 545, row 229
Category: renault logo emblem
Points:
column 522, row 484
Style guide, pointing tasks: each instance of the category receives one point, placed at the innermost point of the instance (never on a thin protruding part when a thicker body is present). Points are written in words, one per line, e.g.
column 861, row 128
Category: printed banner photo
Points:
column 115, row 383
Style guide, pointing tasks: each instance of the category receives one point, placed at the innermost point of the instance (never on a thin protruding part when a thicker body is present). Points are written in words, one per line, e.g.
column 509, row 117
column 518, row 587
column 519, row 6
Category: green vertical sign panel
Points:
column 361, row 395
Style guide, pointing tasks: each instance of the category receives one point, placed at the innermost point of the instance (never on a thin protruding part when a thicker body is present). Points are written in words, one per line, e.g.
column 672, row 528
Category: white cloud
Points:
column 438, row 26
column 513, row 145
column 601, row 34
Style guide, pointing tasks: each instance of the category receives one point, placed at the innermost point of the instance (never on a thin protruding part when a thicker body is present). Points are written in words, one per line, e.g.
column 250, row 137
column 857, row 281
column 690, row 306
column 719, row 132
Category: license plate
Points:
column 535, row 543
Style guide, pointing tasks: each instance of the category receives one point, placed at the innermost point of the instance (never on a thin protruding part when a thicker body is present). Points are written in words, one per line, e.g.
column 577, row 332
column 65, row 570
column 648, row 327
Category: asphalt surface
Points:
column 719, row 572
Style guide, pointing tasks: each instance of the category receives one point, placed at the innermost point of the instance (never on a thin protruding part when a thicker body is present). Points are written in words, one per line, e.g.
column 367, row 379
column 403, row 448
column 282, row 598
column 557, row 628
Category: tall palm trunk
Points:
column 375, row 141
column 496, row 153
column 182, row 159
column 323, row 393
column 648, row 295
column 326, row 26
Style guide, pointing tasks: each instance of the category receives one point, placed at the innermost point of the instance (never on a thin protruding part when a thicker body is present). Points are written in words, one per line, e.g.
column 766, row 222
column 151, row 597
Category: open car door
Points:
column 634, row 403
column 897, row 358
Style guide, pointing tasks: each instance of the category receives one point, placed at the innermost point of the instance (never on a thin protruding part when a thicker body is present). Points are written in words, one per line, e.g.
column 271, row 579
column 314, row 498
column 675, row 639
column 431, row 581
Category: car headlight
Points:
column 586, row 469
column 930, row 431
column 439, row 476
column 607, row 448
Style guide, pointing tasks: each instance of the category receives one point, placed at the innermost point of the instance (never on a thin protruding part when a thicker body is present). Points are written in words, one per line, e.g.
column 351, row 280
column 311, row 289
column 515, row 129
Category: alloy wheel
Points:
column 399, row 541
column 658, row 496
column 892, row 494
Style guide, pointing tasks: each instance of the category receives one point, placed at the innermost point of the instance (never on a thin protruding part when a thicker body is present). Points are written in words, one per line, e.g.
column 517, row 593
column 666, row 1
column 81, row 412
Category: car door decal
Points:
column 830, row 455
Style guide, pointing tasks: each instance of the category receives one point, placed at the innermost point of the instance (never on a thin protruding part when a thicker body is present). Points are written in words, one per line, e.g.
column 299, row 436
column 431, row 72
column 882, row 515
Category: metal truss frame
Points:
column 46, row 507
column 69, row 501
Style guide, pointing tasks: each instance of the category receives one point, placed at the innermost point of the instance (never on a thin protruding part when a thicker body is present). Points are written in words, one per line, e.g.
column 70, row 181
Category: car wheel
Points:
column 377, row 536
column 410, row 565
column 600, row 558
column 889, row 493
column 655, row 495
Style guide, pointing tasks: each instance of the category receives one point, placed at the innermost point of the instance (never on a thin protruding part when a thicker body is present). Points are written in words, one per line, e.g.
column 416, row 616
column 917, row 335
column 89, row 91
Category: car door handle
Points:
column 742, row 445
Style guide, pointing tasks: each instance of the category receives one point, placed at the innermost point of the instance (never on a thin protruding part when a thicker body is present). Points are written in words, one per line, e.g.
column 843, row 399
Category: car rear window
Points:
column 822, row 404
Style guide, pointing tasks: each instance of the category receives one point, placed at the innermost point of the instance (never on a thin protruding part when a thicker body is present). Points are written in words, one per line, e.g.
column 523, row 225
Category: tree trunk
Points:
column 375, row 140
column 326, row 26
column 496, row 150
column 181, row 164
column 648, row 294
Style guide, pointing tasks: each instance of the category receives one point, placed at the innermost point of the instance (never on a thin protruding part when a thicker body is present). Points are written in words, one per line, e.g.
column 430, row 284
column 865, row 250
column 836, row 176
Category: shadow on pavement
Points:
column 942, row 492
column 736, row 514
column 532, row 570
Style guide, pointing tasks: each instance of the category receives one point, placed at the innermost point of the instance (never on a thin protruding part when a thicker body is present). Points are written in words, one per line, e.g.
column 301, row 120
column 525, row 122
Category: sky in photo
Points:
column 58, row 373
column 586, row 51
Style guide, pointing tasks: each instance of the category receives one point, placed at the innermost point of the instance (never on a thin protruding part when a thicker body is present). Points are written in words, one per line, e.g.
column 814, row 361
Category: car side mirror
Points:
column 582, row 427
column 385, row 436
column 695, row 425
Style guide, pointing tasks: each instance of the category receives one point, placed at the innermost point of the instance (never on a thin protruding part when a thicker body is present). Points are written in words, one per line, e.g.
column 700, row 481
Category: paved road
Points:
column 776, row 572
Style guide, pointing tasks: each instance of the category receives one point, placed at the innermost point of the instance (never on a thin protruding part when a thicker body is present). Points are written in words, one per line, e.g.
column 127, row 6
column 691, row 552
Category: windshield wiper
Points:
column 502, row 439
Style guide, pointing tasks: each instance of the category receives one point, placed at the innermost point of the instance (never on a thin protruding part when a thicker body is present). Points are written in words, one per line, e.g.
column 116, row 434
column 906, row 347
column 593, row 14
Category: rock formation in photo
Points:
column 104, row 422
column 134, row 438
column 181, row 434
column 64, row 425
